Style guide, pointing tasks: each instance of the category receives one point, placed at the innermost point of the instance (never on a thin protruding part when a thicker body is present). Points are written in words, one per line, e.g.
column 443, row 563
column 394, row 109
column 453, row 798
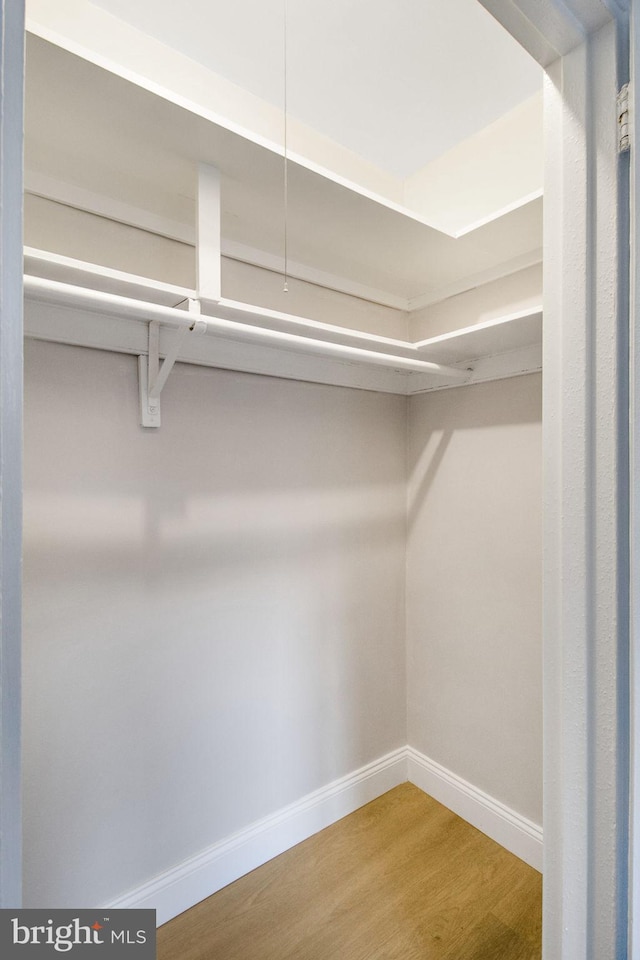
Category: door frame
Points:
column 11, row 134
column 584, row 47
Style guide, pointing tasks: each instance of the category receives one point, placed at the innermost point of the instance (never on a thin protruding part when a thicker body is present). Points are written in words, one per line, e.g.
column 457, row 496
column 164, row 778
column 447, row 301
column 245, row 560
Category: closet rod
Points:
column 65, row 294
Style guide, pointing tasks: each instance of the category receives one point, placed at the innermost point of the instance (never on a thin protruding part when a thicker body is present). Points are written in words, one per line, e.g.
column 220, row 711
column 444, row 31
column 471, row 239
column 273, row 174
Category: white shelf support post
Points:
column 208, row 248
column 151, row 376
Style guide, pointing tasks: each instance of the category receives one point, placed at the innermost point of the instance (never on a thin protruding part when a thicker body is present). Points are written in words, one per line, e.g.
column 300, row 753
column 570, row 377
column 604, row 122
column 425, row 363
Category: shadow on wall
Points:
column 221, row 431
column 474, row 590
column 423, row 473
column 214, row 612
column 435, row 418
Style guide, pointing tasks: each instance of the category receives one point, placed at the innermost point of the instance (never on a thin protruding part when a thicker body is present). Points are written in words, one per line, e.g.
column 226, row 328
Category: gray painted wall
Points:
column 214, row 611
column 474, row 598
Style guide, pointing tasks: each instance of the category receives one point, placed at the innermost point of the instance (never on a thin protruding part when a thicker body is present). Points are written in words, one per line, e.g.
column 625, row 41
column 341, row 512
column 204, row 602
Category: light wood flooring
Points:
column 402, row 878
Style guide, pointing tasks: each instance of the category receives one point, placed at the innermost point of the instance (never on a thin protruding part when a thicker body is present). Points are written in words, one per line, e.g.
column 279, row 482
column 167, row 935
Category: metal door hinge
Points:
column 624, row 122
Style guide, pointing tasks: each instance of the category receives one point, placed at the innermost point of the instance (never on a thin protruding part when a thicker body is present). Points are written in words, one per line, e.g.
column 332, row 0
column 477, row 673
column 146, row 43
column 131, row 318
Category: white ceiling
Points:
column 398, row 82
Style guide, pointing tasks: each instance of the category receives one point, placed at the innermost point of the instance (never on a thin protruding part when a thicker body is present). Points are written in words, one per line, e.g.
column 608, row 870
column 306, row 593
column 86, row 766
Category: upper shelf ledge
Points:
column 251, row 338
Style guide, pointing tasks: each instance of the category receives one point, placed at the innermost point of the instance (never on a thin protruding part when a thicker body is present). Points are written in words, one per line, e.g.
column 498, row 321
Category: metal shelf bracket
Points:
column 151, row 375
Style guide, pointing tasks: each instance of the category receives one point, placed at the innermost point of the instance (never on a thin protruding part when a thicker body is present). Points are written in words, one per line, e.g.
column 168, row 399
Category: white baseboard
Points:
column 508, row 828
column 191, row 881
column 175, row 890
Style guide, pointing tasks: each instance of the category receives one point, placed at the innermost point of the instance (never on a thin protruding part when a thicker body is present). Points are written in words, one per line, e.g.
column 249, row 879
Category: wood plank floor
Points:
column 402, row 878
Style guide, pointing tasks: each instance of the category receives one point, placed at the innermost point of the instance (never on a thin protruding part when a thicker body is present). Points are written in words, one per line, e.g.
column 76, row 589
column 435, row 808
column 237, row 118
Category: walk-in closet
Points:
column 283, row 434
